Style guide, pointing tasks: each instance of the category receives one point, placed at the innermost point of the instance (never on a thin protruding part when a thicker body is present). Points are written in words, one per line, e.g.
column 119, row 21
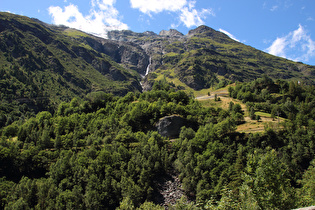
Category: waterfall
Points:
column 148, row 68
column 146, row 72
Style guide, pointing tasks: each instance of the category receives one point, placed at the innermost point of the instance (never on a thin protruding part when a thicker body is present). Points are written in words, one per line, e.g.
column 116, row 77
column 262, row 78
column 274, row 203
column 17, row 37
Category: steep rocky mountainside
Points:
column 42, row 61
column 42, row 65
column 204, row 57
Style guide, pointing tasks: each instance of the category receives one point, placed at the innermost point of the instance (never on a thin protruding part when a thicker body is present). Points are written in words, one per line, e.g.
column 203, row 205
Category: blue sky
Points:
column 284, row 28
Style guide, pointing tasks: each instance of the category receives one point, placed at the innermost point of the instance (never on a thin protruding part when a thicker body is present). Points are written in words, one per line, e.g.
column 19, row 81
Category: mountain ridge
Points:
column 205, row 56
column 198, row 60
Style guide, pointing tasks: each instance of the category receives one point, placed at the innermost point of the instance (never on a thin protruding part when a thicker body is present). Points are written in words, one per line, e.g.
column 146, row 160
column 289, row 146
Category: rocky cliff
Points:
column 129, row 55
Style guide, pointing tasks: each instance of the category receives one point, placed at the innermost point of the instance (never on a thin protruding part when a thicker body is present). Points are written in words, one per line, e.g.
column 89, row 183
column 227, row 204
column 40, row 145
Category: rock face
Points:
column 153, row 45
column 170, row 126
column 171, row 32
column 128, row 36
column 129, row 55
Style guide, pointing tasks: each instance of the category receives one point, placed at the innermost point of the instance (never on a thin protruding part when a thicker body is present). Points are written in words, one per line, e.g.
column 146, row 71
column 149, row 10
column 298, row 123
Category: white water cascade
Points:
column 146, row 72
column 148, row 68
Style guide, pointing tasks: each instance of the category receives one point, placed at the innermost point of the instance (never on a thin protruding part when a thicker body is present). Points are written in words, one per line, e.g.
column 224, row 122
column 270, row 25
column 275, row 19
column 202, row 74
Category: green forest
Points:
column 104, row 151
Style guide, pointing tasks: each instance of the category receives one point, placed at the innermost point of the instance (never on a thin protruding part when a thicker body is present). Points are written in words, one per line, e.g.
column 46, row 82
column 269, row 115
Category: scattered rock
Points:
column 168, row 189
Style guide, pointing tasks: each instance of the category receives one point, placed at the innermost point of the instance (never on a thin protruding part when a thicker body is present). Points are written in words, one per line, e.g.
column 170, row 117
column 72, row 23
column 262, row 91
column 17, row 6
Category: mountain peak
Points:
column 171, row 32
column 201, row 29
column 205, row 31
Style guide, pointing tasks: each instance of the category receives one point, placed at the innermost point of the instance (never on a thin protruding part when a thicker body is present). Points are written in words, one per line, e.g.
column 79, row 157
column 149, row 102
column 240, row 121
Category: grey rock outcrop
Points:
column 127, row 35
column 153, row 45
column 128, row 54
column 170, row 126
column 171, row 32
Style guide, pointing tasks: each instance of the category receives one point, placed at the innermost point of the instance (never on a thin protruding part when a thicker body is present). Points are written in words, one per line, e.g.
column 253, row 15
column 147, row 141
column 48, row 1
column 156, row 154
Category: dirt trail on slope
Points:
column 223, row 92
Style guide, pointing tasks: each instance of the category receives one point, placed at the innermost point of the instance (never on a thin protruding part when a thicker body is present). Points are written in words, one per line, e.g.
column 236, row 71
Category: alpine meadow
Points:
column 151, row 121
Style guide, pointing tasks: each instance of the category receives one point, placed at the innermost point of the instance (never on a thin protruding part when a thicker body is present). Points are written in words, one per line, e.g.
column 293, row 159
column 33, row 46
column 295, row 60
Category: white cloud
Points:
column 274, row 8
column 193, row 17
column 297, row 36
column 297, row 45
column 157, row 6
column 278, row 47
column 102, row 17
column 266, row 41
column 229, row 34
column 188, row 15
column 274, row 5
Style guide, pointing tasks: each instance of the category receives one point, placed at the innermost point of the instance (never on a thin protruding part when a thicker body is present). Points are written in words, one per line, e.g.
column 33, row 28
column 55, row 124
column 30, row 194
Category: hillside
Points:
column 55, row 63
column 42, row 65
column 204, row 57
column 106, row 153
column 77, row 131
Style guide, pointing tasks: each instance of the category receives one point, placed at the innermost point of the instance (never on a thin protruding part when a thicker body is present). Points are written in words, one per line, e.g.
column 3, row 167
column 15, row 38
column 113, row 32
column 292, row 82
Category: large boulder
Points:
column 170, row 126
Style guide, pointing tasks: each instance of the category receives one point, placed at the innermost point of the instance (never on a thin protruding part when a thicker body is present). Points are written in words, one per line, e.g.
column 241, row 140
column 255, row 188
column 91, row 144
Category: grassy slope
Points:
column 250, row 126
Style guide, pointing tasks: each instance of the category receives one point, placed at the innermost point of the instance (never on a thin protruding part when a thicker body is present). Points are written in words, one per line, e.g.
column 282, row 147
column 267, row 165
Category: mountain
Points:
column 160, row 148
column 42, row 64
column 205, row 56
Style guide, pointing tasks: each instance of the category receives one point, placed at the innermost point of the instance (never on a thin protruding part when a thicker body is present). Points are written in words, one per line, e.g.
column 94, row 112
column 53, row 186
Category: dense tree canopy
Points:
column 104, row 152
